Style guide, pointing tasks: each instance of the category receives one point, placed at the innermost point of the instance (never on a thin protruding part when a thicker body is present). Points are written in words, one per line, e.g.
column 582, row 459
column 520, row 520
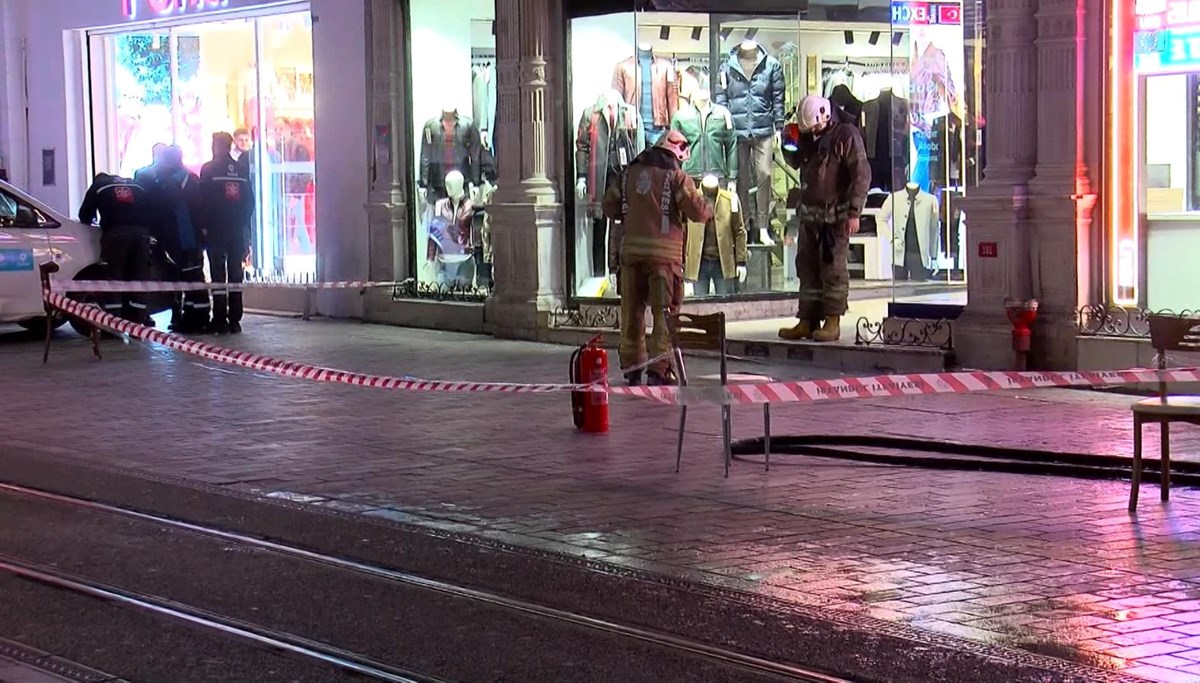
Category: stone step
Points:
column 847, row 357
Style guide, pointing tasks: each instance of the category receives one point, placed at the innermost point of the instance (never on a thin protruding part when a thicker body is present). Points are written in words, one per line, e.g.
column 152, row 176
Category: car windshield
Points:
column 8, row 206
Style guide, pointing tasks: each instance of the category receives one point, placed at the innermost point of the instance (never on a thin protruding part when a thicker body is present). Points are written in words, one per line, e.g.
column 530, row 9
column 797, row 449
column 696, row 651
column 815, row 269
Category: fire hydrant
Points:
column 1022, row 314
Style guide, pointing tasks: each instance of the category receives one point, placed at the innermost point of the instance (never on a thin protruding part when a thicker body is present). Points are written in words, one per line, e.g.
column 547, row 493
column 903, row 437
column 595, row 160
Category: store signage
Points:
column 989, row 250
column 158, row 9
column 926, row 13
column 1155, row 15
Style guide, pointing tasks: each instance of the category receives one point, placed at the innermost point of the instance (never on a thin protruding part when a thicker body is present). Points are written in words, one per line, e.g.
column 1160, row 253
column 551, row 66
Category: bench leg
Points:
column 727, row 434
column 679, row 446
column 1136, row 482
column 767, row 434
column 1165, row 461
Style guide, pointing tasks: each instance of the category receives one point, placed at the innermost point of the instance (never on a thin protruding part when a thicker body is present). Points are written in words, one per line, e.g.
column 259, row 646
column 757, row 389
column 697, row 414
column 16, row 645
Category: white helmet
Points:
column 814, row 110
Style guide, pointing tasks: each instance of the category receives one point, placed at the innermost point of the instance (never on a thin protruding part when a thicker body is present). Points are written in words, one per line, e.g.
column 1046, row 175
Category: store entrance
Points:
column 180, row 84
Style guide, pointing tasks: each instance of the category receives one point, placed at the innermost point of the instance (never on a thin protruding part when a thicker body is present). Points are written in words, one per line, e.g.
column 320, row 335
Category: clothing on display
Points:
column 916, row 225
column 609, row 136
column 483, row 99
column 953, row 153
column 717, row 247
column 842, row 97
column 950, row 203
column 885, row 134
column 649, row 83
column 709, row 130
column 750, row 83
column 449, row 142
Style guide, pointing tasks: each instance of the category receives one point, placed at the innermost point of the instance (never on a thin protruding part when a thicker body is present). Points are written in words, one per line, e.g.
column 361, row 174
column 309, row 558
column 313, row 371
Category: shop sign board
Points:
column 1156, row 15
column 134, row 10
column 905, row 13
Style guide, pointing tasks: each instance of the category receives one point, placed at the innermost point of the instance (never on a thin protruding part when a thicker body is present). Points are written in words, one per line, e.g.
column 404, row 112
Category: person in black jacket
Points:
column 176, row 194
column 228, row 204
column 125, row 211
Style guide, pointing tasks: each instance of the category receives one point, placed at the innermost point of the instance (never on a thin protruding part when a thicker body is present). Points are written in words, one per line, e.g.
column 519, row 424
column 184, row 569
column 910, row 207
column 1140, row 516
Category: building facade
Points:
column 457, row 146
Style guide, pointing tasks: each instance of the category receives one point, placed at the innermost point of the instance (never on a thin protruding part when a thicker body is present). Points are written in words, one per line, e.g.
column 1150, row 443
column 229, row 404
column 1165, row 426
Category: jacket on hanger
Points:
column 609, row 136
column 483, row 97
column 755, row 99
column 886, row 115
column 664, row 95
column 730, row 236
column 955, row 158
column 713, row 142
column 445, row 148
column 925, row 207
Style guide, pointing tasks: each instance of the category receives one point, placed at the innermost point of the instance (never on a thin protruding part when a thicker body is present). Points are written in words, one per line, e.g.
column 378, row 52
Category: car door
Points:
column 27, row 238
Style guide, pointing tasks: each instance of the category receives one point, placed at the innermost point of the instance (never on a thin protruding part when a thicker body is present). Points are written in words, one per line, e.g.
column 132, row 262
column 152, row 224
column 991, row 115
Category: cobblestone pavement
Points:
column 1048, row 564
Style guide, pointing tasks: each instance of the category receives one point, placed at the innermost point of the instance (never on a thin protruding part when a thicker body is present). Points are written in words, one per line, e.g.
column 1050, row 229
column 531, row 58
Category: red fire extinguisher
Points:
column 589, row 364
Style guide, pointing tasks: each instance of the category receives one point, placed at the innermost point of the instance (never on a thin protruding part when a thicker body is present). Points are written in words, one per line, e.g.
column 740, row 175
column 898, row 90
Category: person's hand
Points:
column 612, row 282
column 249, row 253
column 581, row 188
column 852, row 225
column 742, row 273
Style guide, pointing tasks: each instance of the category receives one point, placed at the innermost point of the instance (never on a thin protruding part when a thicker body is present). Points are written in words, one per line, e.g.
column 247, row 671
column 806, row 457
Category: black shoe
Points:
column 219, row 328
column 235, row 328
column 661, row 379
column 634, row 378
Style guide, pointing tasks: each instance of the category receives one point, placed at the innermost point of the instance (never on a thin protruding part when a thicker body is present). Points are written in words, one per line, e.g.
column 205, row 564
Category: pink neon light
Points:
column 1154, row 15
column 165, row 8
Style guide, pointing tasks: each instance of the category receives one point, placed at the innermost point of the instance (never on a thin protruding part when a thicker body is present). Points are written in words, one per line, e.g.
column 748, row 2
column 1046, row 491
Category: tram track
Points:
column 733, row 664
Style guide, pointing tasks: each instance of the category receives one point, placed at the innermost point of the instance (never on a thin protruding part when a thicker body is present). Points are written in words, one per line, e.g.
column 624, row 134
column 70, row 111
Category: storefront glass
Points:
column 180, row 84
column 453, row 109
column 904, row 73
column 1155, row 206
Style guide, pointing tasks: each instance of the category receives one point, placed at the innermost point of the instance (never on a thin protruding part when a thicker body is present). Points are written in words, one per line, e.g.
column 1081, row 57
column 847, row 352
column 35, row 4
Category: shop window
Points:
column 453, row 104
column 634, row 75
column 249, row 77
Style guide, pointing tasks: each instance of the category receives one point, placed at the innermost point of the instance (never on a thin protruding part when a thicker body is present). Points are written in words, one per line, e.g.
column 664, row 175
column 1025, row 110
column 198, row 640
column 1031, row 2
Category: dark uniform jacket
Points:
column 834, row 174
column 226, row 200
column 119, row 201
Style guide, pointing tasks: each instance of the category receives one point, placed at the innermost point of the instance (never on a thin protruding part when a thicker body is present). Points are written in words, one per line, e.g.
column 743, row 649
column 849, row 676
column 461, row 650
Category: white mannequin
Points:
column 609, row 96
column 709, row 185
column 456, row 187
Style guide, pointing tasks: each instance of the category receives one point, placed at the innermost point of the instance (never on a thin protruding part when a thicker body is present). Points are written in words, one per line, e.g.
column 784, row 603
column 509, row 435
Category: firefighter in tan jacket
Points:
column 650, row 205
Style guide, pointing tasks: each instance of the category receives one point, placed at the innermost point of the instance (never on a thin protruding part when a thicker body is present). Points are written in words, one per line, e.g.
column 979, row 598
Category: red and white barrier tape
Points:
column 296, row 370
column 806, row 391
column 114, row 286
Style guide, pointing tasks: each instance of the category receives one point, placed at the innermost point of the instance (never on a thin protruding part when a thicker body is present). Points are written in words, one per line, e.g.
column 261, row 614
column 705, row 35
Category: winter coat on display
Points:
column 443, row 149
column 609, row 136
column 887, row 115
column 665, row 87
column 650, row 205
column 756, row 100
column 730, row 233
column 924, row 206
column 834, row 174
column 713, row 142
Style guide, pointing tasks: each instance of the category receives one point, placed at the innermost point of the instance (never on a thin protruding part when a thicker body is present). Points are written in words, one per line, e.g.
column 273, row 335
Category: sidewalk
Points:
column 1045, row 564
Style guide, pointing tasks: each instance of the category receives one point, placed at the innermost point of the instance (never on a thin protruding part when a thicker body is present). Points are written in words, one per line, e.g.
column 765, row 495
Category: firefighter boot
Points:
column 831, row 330
column 802, row 330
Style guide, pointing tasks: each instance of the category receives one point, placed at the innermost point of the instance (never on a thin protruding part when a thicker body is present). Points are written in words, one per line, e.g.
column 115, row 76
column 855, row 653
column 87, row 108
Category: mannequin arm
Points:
column 738, row 225
column 426, row 151
column 719, row 95
column 583, row 146
column 639, row 142
column 474, row 154
column 729, row 139
column 778, row 88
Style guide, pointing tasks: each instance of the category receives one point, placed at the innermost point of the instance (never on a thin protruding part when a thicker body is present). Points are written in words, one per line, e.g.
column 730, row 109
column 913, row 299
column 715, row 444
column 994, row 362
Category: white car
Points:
column 32, row 233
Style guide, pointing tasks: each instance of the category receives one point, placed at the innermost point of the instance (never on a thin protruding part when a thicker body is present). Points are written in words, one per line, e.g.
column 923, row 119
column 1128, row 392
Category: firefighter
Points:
column 650, row 204
column 125, row 211
column 228, row 204
column 834, row 178
column 176, row 193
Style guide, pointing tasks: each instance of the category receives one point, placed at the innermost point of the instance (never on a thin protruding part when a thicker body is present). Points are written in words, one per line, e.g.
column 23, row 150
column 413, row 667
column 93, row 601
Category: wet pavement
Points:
column 1033, row 564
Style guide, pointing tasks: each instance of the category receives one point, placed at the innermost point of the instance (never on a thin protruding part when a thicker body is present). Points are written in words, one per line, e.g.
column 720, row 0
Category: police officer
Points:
column 650, row 204
column 228, row 203
column 176, row 194
column 124, row 208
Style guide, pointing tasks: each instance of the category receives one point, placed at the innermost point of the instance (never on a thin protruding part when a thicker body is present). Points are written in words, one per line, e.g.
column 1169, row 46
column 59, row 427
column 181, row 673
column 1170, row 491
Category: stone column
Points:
column 526, row 216
column 997, row 211
column 1069, row 137
column 387, row 204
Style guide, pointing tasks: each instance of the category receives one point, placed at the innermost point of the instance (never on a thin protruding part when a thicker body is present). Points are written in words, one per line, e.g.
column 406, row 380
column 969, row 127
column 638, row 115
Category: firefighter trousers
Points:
column 659, row 286
column 193, row 308
column 125, row 251
column 225, row 258
column 822, row 252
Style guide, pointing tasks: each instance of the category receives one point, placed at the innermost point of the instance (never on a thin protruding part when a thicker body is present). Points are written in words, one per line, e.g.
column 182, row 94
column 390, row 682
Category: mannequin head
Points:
column 456, row 185
column 748, row 47
column 710, row 184
column 645, row 47
column 911, row 186
column 702, row 98
column 449, row 113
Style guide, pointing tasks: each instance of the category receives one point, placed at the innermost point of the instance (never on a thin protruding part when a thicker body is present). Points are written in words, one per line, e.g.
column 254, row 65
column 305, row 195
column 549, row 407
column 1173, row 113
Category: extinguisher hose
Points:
column 898, row 451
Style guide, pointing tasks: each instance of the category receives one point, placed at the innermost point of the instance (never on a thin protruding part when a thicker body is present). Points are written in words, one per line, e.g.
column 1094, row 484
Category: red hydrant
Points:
column 589, row 365
column 1022, row 314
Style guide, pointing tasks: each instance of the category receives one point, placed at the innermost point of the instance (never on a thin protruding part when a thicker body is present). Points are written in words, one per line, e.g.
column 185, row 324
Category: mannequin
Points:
column 650, row 84
column 610, row 135
column 450, row 250
column 750, row 83
column 915, row 219
column 708, row 128
column 885, row 132
column 715, row 253
column 844, row 98
column 449, row 142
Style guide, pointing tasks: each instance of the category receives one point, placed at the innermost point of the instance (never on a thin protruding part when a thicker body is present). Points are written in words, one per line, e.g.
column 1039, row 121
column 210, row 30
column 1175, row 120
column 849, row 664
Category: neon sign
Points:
column 1155, row 15
column 905, row 13
column 157, row 9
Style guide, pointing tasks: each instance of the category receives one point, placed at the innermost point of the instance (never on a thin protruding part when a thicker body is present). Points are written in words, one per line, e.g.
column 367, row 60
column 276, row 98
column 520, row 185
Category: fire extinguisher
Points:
column 589, row 364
